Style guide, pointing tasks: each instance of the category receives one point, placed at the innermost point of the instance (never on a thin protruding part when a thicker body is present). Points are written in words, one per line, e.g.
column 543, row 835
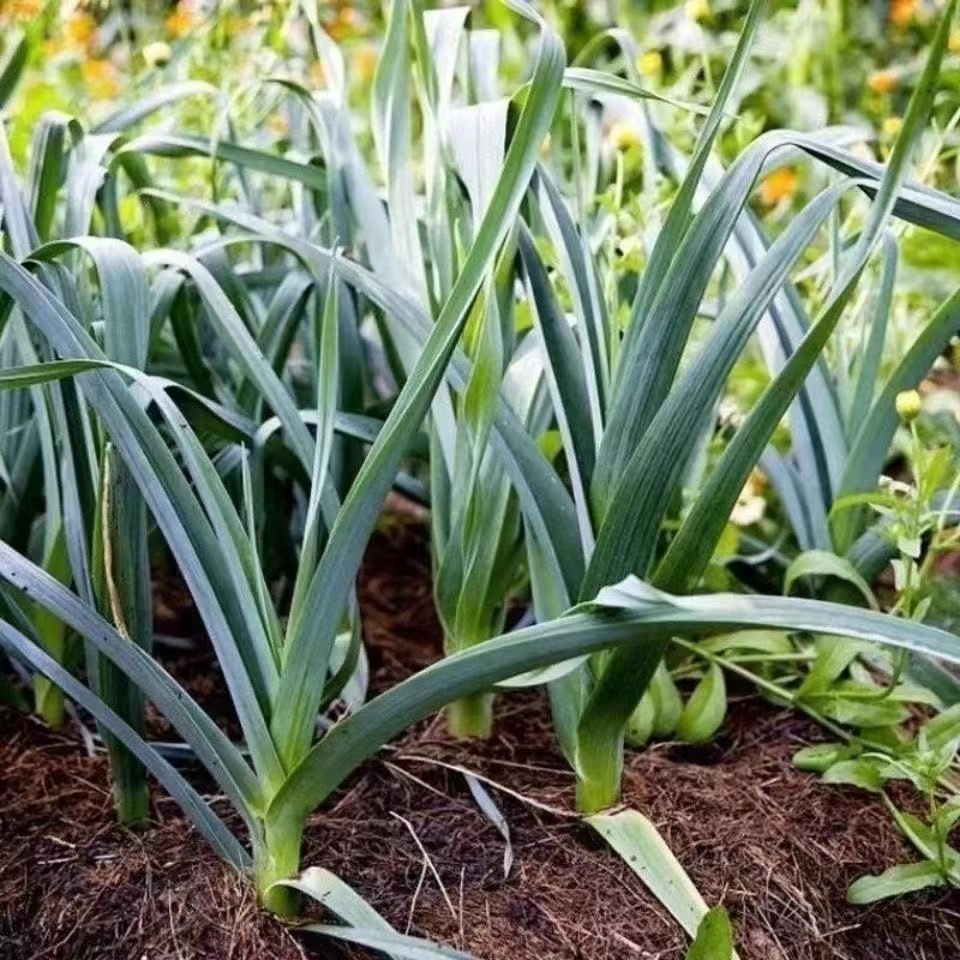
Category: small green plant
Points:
column 929, row 762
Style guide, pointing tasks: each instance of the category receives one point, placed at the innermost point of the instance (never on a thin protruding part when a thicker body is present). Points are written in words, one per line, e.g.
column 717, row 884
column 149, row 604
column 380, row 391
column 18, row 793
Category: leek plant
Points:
column 476, row 538
column 633, row 422
column 280, row 666
column 90, row 527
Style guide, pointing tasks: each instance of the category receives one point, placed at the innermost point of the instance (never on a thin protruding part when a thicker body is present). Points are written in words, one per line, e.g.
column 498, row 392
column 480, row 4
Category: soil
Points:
column 771, row 843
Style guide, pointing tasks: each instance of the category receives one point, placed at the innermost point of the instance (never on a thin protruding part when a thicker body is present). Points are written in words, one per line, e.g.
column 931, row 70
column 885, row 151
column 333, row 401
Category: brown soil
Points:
column 775, row 846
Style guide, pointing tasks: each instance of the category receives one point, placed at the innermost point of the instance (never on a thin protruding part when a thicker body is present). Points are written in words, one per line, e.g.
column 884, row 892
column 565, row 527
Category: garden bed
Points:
column 771, row 843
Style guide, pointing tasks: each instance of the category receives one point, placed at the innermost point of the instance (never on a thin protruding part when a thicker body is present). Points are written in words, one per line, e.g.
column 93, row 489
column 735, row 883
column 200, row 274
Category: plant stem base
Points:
column 471, row 718
column 49, row 703
column 278, row 859
column 597, row 795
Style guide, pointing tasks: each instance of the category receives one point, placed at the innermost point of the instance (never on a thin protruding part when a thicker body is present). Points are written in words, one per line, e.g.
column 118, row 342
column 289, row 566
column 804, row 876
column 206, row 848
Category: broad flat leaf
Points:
column 859, row 773
column 639, row 843
column 365, row 926
column 632, row 613
column 393, row 944
column 822, row 563
column 897, row 880
column 338, row 897
column 714, row 940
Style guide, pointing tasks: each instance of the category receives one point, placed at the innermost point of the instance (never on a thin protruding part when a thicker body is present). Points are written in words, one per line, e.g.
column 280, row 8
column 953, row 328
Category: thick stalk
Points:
column 622, row 683
column 599, row 772
column 131, row 795
column 122, row 569
column 48, row 702
column 471, row 717
column 278, row 858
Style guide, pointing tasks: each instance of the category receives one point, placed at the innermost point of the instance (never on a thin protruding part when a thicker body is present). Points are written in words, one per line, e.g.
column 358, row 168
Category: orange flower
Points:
column 779, row 185
column 883, row 81
column 184, row 18
column 101, row 78
column 17, row 11
column 346, row 22
column 902, row 12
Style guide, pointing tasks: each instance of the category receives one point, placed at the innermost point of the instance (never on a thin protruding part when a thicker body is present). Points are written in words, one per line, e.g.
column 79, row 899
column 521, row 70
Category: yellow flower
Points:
column 892, row 126
column 779, row 185
column 908, row 405
column 883, row 81
column 650, row 63
column 100, row 76
column 184, row 18
column 157, row 54
column 902, row 12
column 80, row 29
column 623, row 136
column 365, row 61
column 318, row 76
column 698, row 9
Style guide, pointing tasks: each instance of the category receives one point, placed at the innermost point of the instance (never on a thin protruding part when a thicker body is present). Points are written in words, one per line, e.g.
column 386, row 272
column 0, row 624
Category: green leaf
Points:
column 704, row 711
column 365, row 927
column 822, row 563
column 942, row 729
column 585, row 80
column 897, row 880
column 714, row 940
column 393, row 944
column 12, row 65
column 865, row 774
column 299, row 696
column 192, row 804
column 643, row 849
column 630, row 613
column 691, row 548
column 641, row 362
column 170, row 499
column 821, row 756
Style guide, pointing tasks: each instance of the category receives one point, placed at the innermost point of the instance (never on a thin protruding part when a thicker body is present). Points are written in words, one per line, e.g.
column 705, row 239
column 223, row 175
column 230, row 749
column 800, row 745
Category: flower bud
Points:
column 157, row 54
column 908, row 405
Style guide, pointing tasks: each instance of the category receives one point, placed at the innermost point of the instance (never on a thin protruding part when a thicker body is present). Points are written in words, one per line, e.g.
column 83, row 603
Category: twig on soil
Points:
column 523, row 798
column 429, row 862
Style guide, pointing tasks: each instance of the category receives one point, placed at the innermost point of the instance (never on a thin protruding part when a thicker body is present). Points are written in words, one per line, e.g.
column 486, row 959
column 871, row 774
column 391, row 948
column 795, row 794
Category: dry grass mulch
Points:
column 771, row 843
